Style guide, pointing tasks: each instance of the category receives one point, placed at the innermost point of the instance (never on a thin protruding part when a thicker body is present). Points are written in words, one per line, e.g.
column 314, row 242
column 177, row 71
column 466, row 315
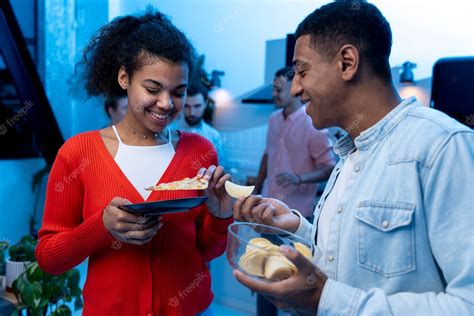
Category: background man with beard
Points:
column 194, row 115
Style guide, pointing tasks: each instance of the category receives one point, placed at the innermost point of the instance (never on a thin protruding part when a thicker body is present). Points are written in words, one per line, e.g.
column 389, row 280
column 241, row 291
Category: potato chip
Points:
column 305, row 251
column 236, row 191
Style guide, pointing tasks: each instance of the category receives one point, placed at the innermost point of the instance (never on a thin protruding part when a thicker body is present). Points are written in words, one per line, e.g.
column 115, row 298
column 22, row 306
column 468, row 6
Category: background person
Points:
column 193, row 118
column 115, row 108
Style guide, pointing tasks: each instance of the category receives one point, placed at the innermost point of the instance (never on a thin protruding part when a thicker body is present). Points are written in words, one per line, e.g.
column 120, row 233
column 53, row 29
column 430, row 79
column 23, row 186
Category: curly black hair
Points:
column 351, row 22
column 130, row 41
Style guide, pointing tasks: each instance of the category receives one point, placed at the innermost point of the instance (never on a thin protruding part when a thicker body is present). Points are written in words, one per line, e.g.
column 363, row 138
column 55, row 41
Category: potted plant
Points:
column 21, row 255
column 3, row 247
column 45, row 294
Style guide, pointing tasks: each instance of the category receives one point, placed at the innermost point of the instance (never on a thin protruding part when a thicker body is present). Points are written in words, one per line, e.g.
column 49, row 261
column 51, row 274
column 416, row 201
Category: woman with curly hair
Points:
column 137, row 265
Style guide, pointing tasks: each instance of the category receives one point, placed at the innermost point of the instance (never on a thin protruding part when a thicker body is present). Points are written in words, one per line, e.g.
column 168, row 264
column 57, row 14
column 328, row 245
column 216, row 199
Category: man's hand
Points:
column 300, row 293
column 285, row 179
column 271, row 212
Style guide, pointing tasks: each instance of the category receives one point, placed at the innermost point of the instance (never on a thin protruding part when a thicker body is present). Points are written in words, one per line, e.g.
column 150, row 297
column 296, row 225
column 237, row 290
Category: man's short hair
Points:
column 351, row 22
column 196, row 88
column 287, row 72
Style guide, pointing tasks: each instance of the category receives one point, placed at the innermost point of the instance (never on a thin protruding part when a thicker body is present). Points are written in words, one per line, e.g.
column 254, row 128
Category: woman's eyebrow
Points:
column 160, row 85
column 157, row 83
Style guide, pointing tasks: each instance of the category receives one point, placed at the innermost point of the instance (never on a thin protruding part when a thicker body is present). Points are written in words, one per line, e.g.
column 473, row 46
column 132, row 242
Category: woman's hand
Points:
column 127, row 227
column 219, row 202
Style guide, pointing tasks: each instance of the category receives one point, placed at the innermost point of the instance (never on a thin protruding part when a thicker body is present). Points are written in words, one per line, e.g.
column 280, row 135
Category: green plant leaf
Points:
column 47, row 289
column 16, row 312
column 44, row 302
column 27, row 238
column 62, row 310
column 73, row 278
column 34, row 272
column 78, row 303
column 17, row 287
column 36, row 312
column 12, row 251
column 31, row 294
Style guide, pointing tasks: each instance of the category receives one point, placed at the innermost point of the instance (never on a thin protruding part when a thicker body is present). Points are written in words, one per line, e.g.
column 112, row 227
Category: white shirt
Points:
column 144, row 165
column 205, row 130
column 332, row 201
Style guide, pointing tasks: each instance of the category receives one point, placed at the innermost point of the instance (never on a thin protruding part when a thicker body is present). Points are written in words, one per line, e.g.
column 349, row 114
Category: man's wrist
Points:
column 299, row 179
column 298, row 222
column 321, row 282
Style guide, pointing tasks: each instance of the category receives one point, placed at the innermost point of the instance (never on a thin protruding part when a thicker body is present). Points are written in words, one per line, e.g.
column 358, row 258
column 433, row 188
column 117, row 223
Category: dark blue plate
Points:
column 165, row 207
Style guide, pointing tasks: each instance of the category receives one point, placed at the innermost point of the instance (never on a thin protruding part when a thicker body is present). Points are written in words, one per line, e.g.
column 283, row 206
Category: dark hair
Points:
column 129, row 41
column 351, row 22
column 111, row 103
column 196, row 88
column 287, row 72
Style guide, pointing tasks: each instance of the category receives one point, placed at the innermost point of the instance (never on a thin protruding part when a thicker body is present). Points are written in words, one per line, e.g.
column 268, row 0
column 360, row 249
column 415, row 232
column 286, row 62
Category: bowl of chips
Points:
column 254, row 249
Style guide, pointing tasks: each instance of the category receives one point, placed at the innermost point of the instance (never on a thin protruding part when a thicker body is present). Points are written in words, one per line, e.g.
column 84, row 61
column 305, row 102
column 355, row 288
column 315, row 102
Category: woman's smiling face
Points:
column 156, row 92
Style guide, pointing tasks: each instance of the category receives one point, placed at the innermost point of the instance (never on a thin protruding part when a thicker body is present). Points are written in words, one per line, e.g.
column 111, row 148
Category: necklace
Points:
column 155, row 135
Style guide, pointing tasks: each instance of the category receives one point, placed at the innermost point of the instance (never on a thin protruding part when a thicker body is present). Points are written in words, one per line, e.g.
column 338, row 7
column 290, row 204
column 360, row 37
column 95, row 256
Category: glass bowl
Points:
column 254, row 249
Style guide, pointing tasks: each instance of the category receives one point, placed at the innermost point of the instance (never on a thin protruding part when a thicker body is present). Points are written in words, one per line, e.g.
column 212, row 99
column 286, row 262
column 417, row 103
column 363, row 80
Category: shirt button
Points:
column 339, row 209
column 385, row 224
column 357, row 169
column 331, row 258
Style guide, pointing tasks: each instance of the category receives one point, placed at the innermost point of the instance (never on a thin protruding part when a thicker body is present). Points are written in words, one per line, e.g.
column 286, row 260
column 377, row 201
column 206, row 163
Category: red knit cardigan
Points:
column 168, row 275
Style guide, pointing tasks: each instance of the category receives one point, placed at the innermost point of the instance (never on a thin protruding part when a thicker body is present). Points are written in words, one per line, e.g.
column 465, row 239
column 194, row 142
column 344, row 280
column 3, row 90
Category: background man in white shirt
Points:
column 197, row 116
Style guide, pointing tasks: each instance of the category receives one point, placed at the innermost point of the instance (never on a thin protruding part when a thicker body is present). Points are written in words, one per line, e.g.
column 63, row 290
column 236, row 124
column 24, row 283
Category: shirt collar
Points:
column 379, row 130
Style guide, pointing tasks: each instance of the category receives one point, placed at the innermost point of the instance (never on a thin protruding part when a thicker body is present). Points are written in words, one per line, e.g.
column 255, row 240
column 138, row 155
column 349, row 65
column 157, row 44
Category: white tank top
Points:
column 143, row 165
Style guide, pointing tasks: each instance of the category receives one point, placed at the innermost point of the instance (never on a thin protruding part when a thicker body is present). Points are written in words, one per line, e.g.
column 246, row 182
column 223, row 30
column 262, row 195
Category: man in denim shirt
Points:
column 395, row 223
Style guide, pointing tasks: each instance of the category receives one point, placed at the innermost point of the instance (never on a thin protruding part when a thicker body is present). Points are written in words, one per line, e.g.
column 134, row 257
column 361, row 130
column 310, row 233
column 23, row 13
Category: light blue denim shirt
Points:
column 403, row 241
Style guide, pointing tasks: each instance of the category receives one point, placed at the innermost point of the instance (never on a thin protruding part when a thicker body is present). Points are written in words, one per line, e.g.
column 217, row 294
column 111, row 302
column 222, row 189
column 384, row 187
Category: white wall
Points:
column 424, row 31
column 232, row 34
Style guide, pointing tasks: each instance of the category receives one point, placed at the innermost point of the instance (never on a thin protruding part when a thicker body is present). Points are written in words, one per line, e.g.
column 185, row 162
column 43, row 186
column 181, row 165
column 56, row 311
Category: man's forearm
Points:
column 318, row 176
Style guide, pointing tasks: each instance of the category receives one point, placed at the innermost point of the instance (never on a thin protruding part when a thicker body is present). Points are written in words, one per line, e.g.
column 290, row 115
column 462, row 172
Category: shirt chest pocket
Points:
column 385, row 237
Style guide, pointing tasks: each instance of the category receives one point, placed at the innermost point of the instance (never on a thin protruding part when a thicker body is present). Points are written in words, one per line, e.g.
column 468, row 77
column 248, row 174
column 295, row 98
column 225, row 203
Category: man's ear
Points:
column 111, row 111
column 123, row 78
column 348, row 61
